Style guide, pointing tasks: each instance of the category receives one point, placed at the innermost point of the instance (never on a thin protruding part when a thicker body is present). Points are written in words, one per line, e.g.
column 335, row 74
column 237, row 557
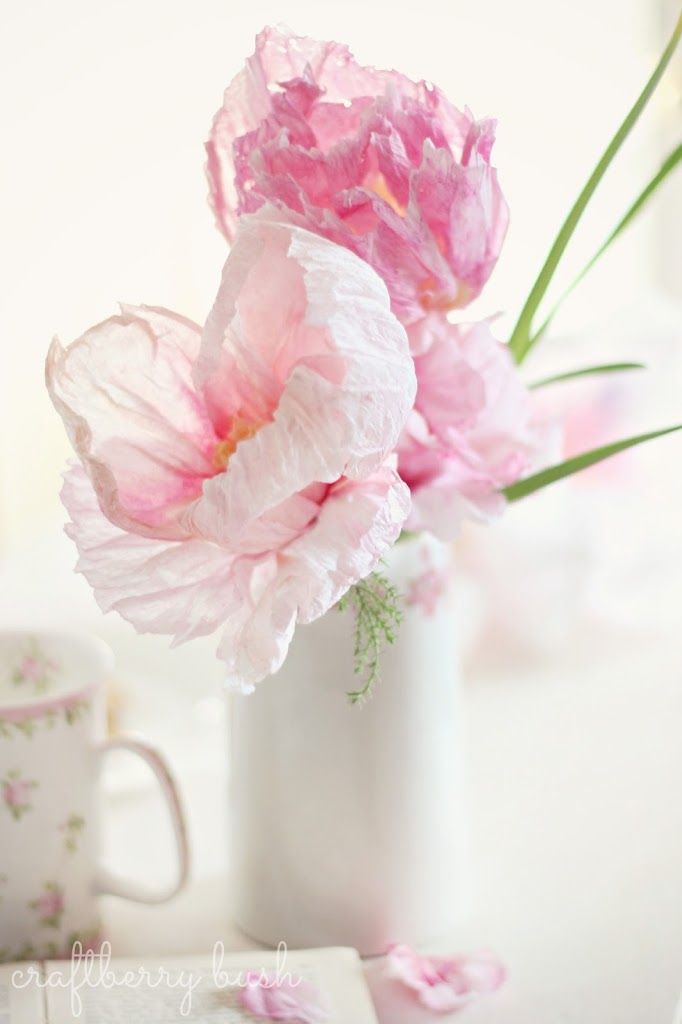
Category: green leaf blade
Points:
column 521, row 340
column 586, row 371
column 666, row 168
column 531, row 484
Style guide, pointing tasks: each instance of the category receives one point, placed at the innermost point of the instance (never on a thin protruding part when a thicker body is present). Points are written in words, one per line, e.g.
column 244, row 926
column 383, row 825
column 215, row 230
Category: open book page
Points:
column 22, row 998
column 193, row 989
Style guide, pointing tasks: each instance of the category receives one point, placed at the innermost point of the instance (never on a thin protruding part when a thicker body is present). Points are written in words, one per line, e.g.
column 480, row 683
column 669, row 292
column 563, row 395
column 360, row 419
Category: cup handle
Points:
column 111, row 884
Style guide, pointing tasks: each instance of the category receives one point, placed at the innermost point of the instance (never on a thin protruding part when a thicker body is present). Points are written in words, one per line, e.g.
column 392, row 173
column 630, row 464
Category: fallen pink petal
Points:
column 291, row 999
column 408, row 988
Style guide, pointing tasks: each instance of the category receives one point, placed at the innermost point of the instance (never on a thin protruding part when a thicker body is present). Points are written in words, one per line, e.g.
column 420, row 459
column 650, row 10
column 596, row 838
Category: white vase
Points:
column 348, row 822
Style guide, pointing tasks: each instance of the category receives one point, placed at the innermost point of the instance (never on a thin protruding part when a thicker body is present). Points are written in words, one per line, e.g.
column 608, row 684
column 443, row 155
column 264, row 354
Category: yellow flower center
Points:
column 240, row 430
column 380, row 187
column 431, row 299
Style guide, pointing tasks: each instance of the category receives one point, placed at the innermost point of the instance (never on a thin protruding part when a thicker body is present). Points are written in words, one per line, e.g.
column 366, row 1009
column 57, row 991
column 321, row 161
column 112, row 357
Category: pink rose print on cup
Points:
column 49, row 905
column 289, row 998
column 15, row 793
column 35, row 669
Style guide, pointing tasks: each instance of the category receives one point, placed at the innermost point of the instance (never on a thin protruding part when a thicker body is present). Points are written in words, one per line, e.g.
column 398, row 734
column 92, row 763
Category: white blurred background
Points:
column 570, row 607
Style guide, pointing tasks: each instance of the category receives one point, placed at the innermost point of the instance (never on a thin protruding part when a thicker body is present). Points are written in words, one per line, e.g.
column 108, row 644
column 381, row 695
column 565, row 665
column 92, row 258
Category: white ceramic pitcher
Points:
column 348, row 822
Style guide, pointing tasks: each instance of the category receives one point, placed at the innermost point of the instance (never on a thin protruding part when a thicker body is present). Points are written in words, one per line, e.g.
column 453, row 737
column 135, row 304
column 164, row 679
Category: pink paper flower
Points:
column 239, row 479
column 473, row 429
column 283, row 999
column 381, row 164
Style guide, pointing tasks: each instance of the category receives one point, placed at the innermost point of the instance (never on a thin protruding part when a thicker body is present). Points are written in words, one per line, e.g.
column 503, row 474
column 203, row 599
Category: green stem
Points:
column 521, row 342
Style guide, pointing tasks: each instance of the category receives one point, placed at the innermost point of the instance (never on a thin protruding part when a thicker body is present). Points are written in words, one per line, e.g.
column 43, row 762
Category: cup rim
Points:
column 102, row 666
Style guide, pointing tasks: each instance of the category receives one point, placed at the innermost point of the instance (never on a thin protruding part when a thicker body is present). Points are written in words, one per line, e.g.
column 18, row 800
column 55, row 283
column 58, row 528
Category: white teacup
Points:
column 52, row 727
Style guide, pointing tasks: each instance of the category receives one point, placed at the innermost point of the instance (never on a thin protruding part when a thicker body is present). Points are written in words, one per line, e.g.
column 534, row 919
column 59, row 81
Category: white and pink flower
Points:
column 380, row 164
column 239, row 479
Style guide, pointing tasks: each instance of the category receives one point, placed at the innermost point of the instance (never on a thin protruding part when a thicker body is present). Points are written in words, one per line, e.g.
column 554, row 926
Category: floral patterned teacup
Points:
column 52, row 723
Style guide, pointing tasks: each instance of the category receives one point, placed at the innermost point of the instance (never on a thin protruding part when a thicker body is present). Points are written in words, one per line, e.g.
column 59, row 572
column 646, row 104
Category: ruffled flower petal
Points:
column 357, row 524
column 135, row 418
column 181, row 588
column 318, row 368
